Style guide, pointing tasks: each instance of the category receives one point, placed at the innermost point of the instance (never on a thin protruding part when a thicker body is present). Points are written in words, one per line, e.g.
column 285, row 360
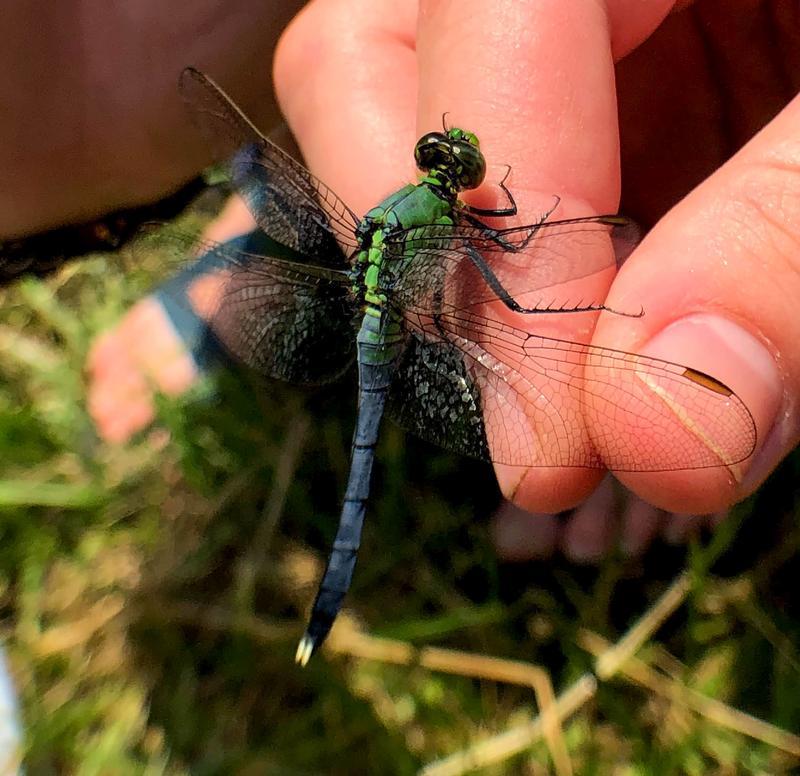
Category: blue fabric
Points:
column 194, row 332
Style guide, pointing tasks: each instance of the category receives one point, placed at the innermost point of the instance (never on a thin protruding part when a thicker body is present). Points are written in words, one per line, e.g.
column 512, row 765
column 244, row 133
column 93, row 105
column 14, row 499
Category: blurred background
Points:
column 153, row 593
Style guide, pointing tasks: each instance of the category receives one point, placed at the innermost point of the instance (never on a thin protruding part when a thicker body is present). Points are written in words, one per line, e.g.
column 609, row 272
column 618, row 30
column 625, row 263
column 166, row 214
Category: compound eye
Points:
column 431, row 151
column 472, row 165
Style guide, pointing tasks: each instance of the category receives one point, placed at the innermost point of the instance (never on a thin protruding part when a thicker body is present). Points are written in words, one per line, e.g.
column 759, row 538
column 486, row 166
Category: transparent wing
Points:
column 471, row 265
column 487, row 389
column 286, row 320
column 286, row 200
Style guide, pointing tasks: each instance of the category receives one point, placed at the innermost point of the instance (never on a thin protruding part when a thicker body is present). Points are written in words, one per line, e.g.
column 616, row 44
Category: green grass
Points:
column 152, row 594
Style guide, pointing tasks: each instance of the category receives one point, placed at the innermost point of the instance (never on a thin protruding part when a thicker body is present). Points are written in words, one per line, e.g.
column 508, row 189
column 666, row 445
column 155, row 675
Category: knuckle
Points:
column 314, row 37
column 769, row 192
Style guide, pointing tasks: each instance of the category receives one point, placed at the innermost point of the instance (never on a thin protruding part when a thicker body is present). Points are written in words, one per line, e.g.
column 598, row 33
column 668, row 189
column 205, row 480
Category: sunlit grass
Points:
column 152, row 594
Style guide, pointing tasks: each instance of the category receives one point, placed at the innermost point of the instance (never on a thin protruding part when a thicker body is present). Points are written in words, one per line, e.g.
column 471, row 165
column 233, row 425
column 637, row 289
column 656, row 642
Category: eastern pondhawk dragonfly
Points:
column 420, row 294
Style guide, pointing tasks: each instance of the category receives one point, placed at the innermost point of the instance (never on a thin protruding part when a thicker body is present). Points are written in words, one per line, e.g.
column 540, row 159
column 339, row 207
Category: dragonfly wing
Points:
column 434, row 395
column 534, row 265
column 286, row 200
column 286, row 320
column 548, row 402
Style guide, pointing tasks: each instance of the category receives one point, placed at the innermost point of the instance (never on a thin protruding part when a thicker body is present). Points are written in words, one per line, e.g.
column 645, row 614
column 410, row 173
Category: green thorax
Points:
column 413, row 205
column 451, row 161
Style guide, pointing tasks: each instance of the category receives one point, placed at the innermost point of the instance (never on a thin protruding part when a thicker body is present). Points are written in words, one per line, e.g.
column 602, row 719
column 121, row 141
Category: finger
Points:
column 718, row 279
column 640, row 524
column 592, row 527
column 346, row 76
column 679, row 529
column 520, row 536
column 346, row 80
column 234, row 220
column 535, row 80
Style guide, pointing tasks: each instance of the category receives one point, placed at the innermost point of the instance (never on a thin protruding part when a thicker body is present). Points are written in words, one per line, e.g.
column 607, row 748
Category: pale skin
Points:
column 717, row 275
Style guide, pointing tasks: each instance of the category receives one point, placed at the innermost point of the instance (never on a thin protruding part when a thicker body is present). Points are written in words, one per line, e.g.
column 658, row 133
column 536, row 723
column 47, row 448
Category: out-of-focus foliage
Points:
column 152, row 594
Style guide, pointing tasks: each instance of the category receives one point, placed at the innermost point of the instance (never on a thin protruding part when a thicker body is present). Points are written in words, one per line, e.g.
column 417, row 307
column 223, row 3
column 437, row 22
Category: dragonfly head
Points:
column 454, row 155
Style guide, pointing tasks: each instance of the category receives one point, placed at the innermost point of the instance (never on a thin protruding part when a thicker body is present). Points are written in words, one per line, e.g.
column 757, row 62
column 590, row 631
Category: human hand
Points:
column 536, row 81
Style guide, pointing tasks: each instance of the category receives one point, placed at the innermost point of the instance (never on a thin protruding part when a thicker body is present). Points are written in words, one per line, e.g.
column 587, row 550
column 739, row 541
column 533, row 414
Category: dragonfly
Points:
column 422, row 296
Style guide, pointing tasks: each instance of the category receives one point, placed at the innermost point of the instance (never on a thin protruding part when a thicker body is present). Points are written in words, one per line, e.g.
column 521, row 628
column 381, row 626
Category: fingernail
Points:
column 731, row 355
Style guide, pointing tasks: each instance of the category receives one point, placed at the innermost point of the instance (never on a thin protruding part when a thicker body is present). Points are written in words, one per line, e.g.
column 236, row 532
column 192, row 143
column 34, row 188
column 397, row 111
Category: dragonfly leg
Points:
column 535, row 227
column 503, row 212
column 497, row 237
column 502, row 294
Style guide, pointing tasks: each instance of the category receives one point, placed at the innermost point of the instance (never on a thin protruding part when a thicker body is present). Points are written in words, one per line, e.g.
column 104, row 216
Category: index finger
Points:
column 535, row 80
column 346, row 80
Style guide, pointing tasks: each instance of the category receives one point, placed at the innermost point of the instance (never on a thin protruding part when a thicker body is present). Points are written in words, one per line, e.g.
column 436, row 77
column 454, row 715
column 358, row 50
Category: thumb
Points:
column 718, row 279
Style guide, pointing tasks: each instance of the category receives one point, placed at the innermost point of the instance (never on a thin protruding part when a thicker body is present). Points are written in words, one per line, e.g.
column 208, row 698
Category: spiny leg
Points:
column 496, row 237
column 505, row 297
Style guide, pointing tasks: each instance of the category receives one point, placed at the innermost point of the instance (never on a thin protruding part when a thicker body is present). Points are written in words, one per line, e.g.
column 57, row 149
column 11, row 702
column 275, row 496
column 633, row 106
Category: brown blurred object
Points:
column 92, row 124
